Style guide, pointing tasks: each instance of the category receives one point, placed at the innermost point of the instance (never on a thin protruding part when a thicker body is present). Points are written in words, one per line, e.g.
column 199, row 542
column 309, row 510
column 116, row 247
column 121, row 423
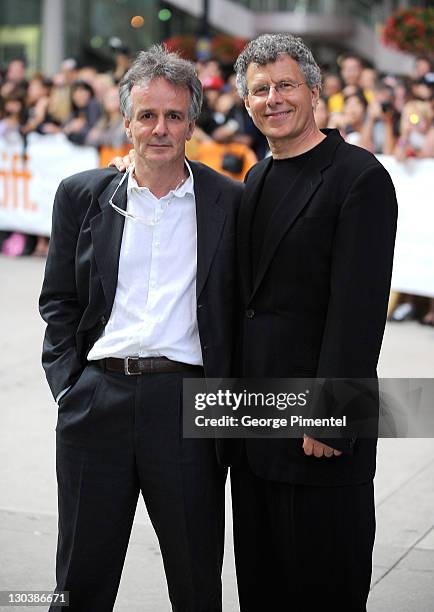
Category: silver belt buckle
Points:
column 126, row 366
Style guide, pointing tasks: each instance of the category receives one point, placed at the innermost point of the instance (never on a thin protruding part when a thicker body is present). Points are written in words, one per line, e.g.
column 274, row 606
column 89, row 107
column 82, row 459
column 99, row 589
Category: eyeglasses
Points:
column 112, row 204
column 283, row 88
column 128, row 215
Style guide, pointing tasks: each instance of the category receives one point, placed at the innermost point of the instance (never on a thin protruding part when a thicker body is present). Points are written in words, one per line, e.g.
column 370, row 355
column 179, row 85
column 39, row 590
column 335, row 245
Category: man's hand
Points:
column 75, row 125
column 318, row 449
column 122, row 163
column 374, row 111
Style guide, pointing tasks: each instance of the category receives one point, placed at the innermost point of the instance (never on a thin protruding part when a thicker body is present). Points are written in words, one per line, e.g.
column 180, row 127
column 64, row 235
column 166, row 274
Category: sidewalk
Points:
column 403, row 577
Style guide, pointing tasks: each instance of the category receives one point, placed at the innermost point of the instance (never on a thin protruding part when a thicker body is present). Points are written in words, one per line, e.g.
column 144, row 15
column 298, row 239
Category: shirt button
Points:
column 250, row 313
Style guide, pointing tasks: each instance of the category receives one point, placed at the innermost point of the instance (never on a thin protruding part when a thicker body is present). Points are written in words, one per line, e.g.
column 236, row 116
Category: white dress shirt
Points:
column 154, row 309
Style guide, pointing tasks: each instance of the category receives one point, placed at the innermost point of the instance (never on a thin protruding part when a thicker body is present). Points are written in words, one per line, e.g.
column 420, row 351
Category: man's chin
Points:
column 278, row 133
column 159, row 153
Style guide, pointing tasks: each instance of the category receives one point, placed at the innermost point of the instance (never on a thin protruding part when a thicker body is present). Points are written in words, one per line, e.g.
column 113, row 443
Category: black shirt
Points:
column 280, row 177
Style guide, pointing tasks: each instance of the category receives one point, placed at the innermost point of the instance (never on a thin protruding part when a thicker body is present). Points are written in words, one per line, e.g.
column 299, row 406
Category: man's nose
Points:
column 274, row 97
column 160, row 128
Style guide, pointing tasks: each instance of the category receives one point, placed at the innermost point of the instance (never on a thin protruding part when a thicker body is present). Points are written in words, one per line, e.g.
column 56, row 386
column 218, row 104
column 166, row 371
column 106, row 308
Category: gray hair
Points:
column 267, row 48
column 156, row 63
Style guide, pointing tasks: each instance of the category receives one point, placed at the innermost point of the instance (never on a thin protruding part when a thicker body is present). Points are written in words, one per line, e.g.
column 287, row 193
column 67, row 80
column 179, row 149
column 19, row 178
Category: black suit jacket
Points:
column 82, row 268
column 317, row 306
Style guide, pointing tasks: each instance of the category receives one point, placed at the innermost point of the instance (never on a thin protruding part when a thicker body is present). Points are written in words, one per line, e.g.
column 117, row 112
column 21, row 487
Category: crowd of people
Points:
column 384, row 113
column 380, row 112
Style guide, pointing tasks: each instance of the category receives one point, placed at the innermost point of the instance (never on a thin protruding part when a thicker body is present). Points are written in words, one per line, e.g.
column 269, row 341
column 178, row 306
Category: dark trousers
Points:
column 117, row 436
column 301, row 548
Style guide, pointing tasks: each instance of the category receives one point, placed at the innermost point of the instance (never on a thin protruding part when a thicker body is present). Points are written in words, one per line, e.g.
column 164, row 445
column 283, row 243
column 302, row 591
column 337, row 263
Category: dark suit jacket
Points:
column 82, row 268
column 317, row 306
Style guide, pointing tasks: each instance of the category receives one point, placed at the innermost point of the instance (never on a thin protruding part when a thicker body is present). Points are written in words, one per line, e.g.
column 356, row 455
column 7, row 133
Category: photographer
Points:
column 381, row 128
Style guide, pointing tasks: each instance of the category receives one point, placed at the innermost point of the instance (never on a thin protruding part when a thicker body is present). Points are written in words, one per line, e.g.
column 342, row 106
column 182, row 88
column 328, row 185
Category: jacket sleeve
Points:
column 361, row 269
column 58, row 302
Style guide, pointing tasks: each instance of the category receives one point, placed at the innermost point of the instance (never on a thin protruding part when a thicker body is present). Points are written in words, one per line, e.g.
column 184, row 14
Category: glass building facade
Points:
column 47, row 31
column 84, row 28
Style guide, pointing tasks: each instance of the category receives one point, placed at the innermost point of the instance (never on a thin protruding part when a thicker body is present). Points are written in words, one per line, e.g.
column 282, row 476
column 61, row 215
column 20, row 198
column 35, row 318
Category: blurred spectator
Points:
column 321, row 113
column 381, row 128
column 68, row 71
column 87, row 74
column 85, row 112
column 351, row 70
column 13, row 115
column 367, row 82
column 422, row 89
column 355, row 107
column 351, row 121
column 422, row 66
column 16, row 72
column 224, row 118
column 350, row 90
column 59, row 105
column 233, row 117
column 109, row 130
column 37, row 99
column 122, row 58
column 238, row 126
column 209, row 118
column 402, row 91
column 208, row 69
column 357, row 77
column 101, row 85
column 332, row 91
column 60, row 98
column 417, row 131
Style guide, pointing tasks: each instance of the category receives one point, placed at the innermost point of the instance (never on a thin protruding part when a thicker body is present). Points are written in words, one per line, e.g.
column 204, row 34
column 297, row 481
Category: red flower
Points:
column 410, row 30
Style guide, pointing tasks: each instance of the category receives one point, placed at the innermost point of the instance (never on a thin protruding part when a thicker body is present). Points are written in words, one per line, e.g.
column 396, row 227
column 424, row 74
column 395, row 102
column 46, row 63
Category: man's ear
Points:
column 315, row 91
column 247, row 105
column 127, row 127
column 190, row 130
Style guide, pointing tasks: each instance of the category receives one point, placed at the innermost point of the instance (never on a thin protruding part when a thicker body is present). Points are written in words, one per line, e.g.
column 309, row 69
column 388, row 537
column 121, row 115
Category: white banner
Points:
column 28, row 185
column 413, row 268
column 27, row 190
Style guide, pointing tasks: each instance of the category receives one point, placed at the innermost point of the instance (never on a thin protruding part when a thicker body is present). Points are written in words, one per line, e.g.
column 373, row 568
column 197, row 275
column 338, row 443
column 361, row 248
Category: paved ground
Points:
column 403, row 579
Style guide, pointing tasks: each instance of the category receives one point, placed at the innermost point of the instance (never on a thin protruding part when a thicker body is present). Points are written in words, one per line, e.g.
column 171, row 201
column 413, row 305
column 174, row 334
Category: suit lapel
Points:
column 293, row 202
column 245, row 219
column 210, row 220
column 106, row 229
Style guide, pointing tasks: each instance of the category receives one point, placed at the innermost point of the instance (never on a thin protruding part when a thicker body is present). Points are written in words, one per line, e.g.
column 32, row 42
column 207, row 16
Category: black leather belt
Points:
column 132, row 366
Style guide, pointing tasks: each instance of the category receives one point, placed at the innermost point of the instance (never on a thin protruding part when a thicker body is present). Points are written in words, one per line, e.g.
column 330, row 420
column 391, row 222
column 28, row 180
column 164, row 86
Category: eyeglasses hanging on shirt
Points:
column 128, row 215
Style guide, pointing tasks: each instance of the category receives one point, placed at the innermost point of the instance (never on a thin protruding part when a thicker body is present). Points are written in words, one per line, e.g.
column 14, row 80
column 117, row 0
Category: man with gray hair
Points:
column 137, row 295
column 316, row 232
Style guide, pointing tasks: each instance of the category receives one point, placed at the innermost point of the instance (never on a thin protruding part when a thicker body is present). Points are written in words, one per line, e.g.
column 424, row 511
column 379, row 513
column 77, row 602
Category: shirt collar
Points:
column 186, row 187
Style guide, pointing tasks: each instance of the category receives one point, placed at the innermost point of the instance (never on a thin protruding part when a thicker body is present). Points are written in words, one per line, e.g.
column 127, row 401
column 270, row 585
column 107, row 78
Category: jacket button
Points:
column 199, row 306
column 250, row 313
column 103, row 320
